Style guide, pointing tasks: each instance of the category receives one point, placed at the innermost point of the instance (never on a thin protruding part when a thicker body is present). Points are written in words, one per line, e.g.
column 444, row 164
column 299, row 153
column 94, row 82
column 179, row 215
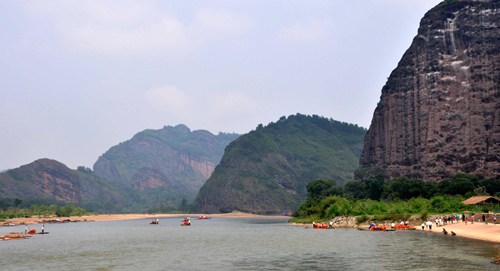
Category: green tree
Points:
column 17, row 201
column 375, row 186
column 356, row 189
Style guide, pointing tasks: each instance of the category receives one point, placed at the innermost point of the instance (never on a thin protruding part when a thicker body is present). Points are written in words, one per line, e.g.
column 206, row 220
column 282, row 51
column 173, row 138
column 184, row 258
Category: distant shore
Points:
column 112, row 217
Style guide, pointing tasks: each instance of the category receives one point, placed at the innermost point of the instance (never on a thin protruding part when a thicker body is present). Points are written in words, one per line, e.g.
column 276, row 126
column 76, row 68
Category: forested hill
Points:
column 169, row 164
column 266, row 170
column 49, row 181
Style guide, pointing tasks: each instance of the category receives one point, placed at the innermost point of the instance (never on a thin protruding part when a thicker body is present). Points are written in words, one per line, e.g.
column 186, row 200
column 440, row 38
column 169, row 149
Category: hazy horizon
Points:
column 79, row 77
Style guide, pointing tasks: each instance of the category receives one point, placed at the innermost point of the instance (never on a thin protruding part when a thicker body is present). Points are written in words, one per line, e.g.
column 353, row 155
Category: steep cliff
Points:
column 171, row 161
column 52, row 180
column 439, row 112
column 266, row 170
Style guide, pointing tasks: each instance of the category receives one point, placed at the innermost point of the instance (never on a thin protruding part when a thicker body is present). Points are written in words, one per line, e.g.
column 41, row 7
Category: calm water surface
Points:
column 237, row 244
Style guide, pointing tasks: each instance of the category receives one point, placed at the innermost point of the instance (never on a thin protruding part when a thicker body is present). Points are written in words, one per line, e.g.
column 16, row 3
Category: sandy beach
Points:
column 478, row 230
column 110, row 217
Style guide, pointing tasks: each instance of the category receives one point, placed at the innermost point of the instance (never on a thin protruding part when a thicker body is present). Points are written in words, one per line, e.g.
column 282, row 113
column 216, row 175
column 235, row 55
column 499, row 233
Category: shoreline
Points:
column 116, row 217
column 477, row 231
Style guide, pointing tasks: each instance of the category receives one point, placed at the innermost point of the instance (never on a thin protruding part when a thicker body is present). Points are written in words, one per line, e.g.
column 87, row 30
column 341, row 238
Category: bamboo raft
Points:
column 13, row 237
column 366, row 229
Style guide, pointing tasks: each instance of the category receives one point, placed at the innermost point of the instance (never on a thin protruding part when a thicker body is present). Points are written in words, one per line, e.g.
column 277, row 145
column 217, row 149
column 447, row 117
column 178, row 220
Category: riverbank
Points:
column 479, row 231
column 113, row 217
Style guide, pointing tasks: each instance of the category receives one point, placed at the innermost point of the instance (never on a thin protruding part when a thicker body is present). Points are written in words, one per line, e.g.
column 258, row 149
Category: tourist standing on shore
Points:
column 463, row 218
column 423, row 225
column 484, row 219
column 495, row 218
column 437, row 222
column 429, row 224
column 472, row 219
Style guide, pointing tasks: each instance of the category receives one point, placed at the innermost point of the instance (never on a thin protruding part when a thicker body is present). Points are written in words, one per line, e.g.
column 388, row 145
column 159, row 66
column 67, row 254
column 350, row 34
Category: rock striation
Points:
column 439, row 112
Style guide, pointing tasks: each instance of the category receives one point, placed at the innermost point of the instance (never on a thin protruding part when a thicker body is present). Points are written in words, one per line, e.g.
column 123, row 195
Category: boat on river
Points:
column 321, row 225
column 32, row 231
column 203, row 217
column 186, row 222
column 155, row 222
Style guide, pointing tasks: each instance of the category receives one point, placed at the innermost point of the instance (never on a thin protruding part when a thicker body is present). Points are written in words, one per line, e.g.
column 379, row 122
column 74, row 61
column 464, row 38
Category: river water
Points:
column 237, row 244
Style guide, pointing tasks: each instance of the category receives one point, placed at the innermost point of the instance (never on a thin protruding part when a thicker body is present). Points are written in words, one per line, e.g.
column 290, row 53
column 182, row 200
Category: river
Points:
column 237, row 244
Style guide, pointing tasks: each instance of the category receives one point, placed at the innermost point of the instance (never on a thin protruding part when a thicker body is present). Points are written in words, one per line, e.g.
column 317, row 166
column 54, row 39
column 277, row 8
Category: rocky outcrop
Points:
column 175, row 159
column 266, row 170
column 439, row 112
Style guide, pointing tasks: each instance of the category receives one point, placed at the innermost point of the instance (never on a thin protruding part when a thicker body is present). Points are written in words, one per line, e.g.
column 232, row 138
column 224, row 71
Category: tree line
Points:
column 392, row 198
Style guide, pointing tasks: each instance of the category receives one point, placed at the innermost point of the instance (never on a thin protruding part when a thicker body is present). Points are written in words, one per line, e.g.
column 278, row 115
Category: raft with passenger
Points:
column 321, row 225
column 404, row 227
column 186, row 222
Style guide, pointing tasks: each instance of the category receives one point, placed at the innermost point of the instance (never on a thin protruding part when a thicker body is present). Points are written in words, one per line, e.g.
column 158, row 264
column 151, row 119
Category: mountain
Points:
column 439, row 112
column 53, row 181
column 168, row 164
column 266, row 170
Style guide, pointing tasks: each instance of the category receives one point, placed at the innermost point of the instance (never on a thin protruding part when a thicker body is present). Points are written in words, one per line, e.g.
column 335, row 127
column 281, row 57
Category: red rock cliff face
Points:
column 439, row 112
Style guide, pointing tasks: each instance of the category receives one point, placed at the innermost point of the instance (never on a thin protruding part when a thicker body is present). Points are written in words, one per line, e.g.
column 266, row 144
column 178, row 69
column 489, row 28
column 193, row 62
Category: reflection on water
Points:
column 237, row 244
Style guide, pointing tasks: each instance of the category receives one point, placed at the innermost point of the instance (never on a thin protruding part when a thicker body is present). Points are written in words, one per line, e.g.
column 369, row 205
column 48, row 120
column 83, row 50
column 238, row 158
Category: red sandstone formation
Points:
column 439, row 112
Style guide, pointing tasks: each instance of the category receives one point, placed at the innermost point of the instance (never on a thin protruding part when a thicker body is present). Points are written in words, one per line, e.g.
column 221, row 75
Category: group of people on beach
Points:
column 452, row 219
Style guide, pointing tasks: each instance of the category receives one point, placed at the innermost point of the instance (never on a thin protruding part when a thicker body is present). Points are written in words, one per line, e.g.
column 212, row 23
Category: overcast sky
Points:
column 77, row 77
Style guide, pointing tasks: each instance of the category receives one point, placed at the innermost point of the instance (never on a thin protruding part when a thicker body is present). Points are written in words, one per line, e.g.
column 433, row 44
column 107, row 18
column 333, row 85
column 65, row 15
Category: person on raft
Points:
column 157, row 221
column 25, row 228
column 43, row 229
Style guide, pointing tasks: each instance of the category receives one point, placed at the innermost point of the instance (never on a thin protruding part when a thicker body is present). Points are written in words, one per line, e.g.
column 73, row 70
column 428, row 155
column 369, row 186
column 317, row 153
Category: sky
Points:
column 78, row 77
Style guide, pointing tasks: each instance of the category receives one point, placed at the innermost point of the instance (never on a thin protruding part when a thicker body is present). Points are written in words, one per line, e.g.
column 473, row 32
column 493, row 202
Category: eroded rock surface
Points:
column 439, row 112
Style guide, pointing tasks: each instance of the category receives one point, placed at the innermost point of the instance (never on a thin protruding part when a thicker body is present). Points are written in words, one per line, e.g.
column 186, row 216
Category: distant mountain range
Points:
column 169, row 164
column 266, row 170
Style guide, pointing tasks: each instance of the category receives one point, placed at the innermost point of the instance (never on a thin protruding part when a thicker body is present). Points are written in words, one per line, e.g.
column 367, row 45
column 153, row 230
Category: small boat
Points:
column 45, row 232
column 155, row 222
column 32, row 231
column 203, row 217
column 404, row 227
column 186, row 222
column 321, row 225
column 366, row 229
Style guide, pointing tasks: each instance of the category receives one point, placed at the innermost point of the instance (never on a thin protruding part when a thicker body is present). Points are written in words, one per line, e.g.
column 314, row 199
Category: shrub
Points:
column 485, row 209
column 361, row 219
column 424, row 215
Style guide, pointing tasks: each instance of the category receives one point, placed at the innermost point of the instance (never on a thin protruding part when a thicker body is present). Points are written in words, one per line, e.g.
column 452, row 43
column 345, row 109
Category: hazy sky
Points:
column 77, row 77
